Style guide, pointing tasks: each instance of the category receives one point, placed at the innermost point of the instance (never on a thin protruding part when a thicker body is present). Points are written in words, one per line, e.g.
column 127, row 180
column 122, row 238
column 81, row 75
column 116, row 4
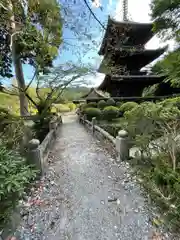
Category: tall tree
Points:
column 170, row 67
column 33, row 30
column 167, row 16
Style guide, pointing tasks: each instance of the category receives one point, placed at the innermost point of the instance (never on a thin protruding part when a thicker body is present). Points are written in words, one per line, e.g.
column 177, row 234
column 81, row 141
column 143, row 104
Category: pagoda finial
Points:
column 125, row 10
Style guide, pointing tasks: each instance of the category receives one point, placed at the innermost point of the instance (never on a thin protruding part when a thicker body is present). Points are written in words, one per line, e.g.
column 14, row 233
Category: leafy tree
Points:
column 170, row 67
column 33, row 31
column 166, row 14
column 50, row 86
column 167, row 24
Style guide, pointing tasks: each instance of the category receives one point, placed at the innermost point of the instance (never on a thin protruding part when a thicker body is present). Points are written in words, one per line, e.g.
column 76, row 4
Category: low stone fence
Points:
column 38, row 153
column 121, row 142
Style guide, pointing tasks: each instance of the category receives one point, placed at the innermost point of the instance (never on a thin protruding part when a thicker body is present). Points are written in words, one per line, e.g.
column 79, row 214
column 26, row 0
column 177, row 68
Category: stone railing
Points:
column 121, row 142
column 38, row 153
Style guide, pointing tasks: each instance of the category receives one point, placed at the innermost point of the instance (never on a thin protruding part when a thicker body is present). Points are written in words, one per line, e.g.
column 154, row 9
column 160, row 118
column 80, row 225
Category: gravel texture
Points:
column 85, row 195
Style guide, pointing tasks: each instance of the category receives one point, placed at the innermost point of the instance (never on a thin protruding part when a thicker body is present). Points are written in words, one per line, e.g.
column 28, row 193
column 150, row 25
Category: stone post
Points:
column 122, row 145
column 34, row 154
column 79, row 117
column 60, row 119
column 52, row 125
column 93, row 124
column 84, row 118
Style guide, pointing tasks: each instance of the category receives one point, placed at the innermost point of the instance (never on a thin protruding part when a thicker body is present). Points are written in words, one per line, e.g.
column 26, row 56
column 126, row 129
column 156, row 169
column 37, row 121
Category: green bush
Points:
column 71, row 106
column 110, row 113
column 171, row 102
column 11, row 129
column 92, row 105
column 15, row 175
column 102, row 104
column 148, row 118
column 155, row 129
column 82, row 106
column 111, row 102
column 112, row 129
column 128, row 106
column 92, row 112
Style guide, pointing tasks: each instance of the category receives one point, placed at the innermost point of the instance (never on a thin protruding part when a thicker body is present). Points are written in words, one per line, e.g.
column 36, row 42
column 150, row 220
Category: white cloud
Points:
column 98, row 79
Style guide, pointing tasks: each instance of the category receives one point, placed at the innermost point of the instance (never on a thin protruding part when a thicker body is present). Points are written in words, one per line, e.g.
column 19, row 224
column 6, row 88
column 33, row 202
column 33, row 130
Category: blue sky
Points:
column 79, row 48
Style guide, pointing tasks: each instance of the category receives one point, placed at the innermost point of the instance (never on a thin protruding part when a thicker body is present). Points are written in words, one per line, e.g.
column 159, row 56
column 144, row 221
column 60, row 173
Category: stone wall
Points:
column 38, row 153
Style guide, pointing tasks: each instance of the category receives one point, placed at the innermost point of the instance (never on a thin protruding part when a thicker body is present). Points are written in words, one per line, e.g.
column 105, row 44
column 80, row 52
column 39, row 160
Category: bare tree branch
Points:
column 29, row 84
column 5, row 8
column 94, row 15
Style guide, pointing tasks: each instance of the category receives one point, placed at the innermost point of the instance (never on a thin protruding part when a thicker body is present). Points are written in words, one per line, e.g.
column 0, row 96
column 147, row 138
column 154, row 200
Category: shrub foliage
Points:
column 14, row 175
column 111, row 102
column 110, row 113
column 127, row 106
column 102, row 104
column 92, row 112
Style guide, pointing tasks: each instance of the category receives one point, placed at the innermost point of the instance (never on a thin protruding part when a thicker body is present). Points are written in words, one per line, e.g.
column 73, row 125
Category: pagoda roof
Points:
column 93, row 93
column 137, row 34
column 118, row 79
column 131, row 60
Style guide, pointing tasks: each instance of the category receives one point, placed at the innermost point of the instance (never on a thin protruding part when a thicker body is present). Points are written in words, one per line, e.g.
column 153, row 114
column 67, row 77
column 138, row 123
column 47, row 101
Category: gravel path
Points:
column 84, row 195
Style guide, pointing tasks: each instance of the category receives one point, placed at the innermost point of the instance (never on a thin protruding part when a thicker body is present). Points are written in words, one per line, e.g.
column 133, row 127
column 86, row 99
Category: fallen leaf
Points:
column 156, row 222
column 157, row 236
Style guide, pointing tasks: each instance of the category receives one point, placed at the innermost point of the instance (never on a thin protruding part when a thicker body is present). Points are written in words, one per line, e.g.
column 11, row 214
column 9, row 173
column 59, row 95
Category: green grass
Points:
column 9, row 102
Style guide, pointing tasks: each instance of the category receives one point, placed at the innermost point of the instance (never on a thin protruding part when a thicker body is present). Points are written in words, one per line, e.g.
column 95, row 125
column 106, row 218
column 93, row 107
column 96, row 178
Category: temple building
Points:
column 123, row 48
column 93, row 94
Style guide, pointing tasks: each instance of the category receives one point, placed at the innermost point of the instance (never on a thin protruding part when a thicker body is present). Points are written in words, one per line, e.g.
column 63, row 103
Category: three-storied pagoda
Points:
column 123, row 48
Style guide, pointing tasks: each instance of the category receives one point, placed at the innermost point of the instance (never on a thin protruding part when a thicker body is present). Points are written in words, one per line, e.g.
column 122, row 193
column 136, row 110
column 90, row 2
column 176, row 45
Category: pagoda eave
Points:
column 132, row 60
column 145, row 80
column 137, row 33
column 119, row 78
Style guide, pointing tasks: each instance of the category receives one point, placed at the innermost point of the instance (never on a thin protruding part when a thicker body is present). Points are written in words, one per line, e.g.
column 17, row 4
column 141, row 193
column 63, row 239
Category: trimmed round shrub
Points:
column 92, row 112
column 102, row 104
column 111, row 102
column 82, row 106
column 112, row 129
column 128, row 106
column 71, row 106
column 110, row 113
column 92, row 105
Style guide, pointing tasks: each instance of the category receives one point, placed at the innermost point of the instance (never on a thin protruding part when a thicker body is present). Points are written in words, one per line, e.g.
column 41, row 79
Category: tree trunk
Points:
column 21, row 84
column 18, row 65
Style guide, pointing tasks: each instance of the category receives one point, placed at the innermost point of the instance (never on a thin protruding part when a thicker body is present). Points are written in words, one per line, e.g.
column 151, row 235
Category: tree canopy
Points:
column 32, row 33
column 38, row 32
column 167, row 16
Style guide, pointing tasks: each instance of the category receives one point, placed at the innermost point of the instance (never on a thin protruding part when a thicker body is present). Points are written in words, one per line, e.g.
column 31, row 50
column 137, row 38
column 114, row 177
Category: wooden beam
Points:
column 137, row 99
